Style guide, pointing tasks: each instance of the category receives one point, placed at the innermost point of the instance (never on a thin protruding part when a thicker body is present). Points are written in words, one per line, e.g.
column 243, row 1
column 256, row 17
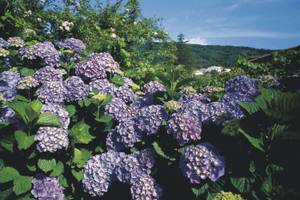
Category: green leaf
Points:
column 58, row 169
column 242, row 184
column 26, row 71
column 3, row 124
column 36, row 105
column 48, row 119
column 7, row 142
column 201, row 190
column 160, row 152
column 104, row 119
column 46, row 165
column 256, row 142
column 252, row 167
column 231, row 127
column 118, row 80
column 24, row 141
column 8, row 174
column 22, row 184
column 31, row 168
column 272, row 168
column 81, row 156
column 71, row 110
column 77, row 174
column 63, row 181
column 20, row 108
column 80, row 133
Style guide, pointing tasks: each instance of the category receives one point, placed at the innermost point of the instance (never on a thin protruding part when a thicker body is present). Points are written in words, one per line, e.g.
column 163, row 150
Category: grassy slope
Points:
column 209, row 55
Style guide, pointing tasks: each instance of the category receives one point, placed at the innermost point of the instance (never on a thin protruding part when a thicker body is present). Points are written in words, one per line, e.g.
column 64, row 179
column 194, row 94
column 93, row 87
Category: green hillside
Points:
column 208, row 55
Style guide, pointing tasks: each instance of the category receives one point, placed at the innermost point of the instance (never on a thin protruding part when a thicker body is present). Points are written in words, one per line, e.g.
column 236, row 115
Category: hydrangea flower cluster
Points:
column 4, row 52
column 52, row 92
column 8, row 84
column 243, row 85
column 47, row 188
column 101, row 170
column 27, row 82
column 197, row 97
column 149, row 119
column 227, row 196
column 47, row 74
column 118, row 110
column 51, row 139
column 3, row 43
column 188, row 90
column 153, row 87
column 15, row 42
column 184, row 128
column 44, row 51
column 200, row 162
column 75, row 45
column 76, row 89
column 145, row 188
column 172, row 105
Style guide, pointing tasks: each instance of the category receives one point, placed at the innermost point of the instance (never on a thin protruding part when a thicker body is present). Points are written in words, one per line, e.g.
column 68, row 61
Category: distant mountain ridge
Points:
column 209, row 55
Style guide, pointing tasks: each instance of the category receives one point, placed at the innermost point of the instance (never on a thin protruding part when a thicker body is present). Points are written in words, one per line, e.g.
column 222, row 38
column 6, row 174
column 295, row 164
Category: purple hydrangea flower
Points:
column 184, row 128
column 107, row 62
column 143, row 101
column 195, row 108
column 243, row 85
column 6, row 114
column 27, row 82
column 145, row 188
column 125, row 135
column 149, row 119
column 201, row 162
column 3, row 43
column 75, row 89
column 194, row 97
column 47, row 73
column 52, row 92
column 47, row 188
column 153, row 87
column 44, row 51
column 51, row 139
column 124, row 93
column 60, row 112
column 146, row 158
column 103, row 86
column 98, row 173
column 118, row 110
column 8, row 84
column 75, row 45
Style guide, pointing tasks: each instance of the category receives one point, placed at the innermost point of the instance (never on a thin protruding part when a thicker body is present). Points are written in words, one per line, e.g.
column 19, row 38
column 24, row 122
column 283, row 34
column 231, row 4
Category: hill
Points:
column 208, row 55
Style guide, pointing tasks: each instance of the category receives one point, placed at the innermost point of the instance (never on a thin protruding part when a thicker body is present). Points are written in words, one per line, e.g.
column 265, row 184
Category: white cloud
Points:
column 197, row 40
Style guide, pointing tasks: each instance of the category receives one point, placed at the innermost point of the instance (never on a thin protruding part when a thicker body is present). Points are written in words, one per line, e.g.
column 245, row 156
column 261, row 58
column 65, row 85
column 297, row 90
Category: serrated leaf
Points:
column 81, row 156
column 272, row 168
column 77, row 174
column 24, row 71
column 252, row 167
column 36, row 105
column 118, row 80
column 201, row 190
column 20, row 108
column 80, row 133
column 242, row 184
column 256, row 142
column 46, row 165
column 7, row 142
column 58, row 169
column 22, row 184
column 63, row 181
column 71, row 110
column 160, row 152
column 24, row 141
column 31, row 168
column 48, row 119
column 8, row 174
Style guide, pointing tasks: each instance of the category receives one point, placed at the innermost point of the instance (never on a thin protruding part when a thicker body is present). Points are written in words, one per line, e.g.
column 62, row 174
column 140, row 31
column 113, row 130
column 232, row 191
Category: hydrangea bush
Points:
column 88, row 131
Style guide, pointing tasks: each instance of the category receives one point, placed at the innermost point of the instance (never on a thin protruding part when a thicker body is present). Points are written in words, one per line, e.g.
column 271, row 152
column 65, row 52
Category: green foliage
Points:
column 22, row 184
column 46, row 165
column 24, row 141
column 80, row 133
column 8, row 174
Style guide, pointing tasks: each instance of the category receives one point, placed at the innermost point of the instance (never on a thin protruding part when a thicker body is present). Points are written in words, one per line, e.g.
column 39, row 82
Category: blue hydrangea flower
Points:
column 103, row 86
column 200, row 162
column 60, row 112
column 125, row 135
column 44, row 51
column 243, row 85
column 195, row 108
column 48, row 73
column 75, row 89
column 145, row 188
column 98, row 173
column 124, row 93
column 143, row 101
column 47, row 188
column 145, row 158
column 153, row 87
column 51, row 139
column 184, row 128
column 6, row 114
column 8, row 84
column 52, row 92
column 149, row 119
column 3, row 43
column 75, row 45
column 194, row 97
column 106, row 61
column 118, row 110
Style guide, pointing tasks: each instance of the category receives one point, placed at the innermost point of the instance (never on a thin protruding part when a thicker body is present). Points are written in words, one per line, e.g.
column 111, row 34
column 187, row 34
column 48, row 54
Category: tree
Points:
column 184, row 52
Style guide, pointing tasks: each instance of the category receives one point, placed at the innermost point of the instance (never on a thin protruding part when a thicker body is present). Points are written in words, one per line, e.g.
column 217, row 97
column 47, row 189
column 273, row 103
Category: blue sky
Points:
column 273, row 24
